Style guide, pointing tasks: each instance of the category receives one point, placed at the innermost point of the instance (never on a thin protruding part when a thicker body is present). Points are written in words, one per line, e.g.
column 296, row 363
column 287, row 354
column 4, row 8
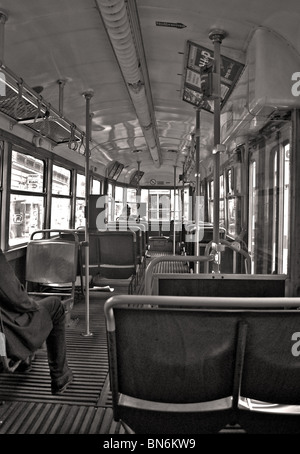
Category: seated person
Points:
column 27, row 324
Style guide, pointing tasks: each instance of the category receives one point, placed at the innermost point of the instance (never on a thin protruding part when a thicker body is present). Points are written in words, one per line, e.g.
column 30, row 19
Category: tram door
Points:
column 159, row 212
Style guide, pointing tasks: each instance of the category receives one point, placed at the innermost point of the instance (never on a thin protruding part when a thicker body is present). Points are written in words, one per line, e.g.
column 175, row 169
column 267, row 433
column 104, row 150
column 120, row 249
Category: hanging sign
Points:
column 198, row 77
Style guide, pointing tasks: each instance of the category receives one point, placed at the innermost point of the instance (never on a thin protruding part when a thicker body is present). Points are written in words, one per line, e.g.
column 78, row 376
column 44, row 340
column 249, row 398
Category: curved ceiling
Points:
column 131, row 55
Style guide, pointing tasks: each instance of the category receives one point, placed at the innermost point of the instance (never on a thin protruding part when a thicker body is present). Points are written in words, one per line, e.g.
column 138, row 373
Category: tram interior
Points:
column 149, row 177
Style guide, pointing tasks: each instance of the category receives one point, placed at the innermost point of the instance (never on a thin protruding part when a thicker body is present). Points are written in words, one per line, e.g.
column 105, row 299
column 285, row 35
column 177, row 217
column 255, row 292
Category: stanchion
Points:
column 88, row 95
column 217, row 37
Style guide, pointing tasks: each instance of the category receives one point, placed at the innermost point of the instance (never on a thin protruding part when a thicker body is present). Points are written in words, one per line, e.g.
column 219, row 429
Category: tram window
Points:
column 27, row 173
column 60, row 213
column 221, row 186
column 187, row 205
column 27, row 199
column 144, row 202
column 61, row 181
column 80, row 201
column 222, row 206
column 96, row 186
column 110, row 197
column 231, row 205
column 131, row 195
column 157, row 205
column 211, row 201
column 286, row 209
column 231, row 219
column 252, row 213
column 131, row 201
column 177, row 206
column 160, row 205
column 26, row 216
column 80, row 186
column 281, row 168
column 269, row 193
column 61, row 198
column 229, row 182
column 119, row 201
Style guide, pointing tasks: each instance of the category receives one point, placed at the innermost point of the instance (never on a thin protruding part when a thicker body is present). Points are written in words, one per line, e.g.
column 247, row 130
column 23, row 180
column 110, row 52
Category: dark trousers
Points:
column 56, row 343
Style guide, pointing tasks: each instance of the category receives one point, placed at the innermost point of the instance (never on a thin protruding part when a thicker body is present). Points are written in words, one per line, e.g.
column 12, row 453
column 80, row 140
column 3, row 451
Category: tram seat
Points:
column 179, row 365
column 170, row 371
column 271, row 374
column 117, row 259
column 140, row 244
column 139, row 230
column 51, row 268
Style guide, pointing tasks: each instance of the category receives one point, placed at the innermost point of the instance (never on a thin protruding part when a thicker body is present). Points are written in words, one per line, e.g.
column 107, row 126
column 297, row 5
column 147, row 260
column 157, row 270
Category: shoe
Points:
column 59, row 388
column 25, row 365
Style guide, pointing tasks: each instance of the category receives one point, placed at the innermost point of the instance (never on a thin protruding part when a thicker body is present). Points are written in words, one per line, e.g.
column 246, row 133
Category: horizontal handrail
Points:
column 207, row 303
column 59, row 231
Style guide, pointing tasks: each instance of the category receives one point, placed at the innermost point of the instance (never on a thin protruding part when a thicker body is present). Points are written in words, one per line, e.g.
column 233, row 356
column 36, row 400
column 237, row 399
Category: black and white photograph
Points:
column 149, row 223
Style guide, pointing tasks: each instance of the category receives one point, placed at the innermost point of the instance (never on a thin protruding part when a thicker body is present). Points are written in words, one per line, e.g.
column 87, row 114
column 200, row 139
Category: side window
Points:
column 27, row 197
column 61, row 198
column 253, row 205
column 96, row 186
column 280, row 218
column 222, row 207
column 211, row 201
column 119, row 201
column 80, row 201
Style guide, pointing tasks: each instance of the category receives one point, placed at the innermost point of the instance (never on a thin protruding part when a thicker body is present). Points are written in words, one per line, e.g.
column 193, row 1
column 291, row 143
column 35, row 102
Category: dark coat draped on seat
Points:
column 26, row 323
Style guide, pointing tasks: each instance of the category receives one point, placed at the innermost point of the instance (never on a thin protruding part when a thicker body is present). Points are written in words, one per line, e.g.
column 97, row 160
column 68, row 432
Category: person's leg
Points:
column 61, row 374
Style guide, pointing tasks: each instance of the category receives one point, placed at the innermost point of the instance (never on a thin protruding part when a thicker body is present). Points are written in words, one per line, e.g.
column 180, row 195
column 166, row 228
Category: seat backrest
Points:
column 208, row 284
column 183, row 350
column 271, row 365
column 169, row 356
column 175, row 356
column 51, row 261
column 125, row 225
column 117, row 253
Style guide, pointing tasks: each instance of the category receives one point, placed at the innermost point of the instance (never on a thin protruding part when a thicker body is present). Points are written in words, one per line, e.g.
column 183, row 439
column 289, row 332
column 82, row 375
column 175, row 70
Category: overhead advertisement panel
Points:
column 198, row 87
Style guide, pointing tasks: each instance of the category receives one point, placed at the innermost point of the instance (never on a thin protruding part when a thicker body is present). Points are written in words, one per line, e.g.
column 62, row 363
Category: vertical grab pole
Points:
column 197, row 201
column 217, row 37
column 88, row 95
column 174, row 211
column 61, row 85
